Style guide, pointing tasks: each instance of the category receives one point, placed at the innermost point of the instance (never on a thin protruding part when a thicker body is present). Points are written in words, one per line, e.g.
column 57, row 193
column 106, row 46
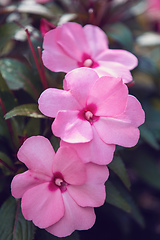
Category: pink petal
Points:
column 122, row 129
column 120, row 56
column 70, row 165
column 52, row 100
column 70, row 128
column 134, row 112
column 75, row 218
column 92, row 193
column 114, row 69
column 53, row 56
column 58, row 62
column 72, row 40
column 37, row 154
column 99, row 152
column 110, row 96
column 24, row 181
column 96, row 38
column 42, row 206
column 79, row 82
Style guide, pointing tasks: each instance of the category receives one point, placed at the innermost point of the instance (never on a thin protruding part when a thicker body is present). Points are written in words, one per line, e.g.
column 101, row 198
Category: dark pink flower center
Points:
column 88, row 113
column 87, row 61
column 57, row 182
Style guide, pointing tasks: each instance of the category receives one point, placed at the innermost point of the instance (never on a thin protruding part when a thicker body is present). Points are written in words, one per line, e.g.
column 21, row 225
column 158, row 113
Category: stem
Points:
column 44, row 80
column 7, row 166
column 35, row 58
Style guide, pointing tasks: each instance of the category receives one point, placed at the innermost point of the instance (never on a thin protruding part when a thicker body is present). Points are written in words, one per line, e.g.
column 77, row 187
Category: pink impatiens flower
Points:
column 95, row 111
column 72, row 46
column 58, row 191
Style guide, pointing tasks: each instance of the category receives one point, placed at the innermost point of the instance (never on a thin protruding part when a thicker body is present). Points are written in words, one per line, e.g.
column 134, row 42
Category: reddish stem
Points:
column 7, row 166
column 36, row 60
column 44, row 80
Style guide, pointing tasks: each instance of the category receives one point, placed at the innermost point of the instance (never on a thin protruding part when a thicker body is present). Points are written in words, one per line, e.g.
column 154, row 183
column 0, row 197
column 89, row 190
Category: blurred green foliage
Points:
column 132, row 208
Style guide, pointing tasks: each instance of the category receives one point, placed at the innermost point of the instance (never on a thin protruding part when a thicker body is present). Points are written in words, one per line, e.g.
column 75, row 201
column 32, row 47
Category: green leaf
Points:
column 6, row 163
column 149, row 137
column 118, row 167
column 121, row 34
column 115, row 198
column 28, row 110
column 18, row 75
column 147, row 168
column 7, row 31
column 134, row 213
column 13, row 225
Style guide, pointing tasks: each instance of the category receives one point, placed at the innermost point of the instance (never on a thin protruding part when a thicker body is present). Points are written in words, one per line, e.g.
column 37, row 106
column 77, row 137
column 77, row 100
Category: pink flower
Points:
column 95, row 111
column 58, row 191
column 70, row 46
column 45, row 26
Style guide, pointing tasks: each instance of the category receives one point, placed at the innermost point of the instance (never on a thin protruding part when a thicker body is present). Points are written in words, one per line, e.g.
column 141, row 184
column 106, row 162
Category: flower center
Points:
column 88, row 116
column 88, row 63
column 57, row 181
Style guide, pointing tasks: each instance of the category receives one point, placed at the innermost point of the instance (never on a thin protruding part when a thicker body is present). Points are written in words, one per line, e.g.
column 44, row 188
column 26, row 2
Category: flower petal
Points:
column 70, row 165
column 122, row 129
column 99, row 152
column 52, row 100
column 114, row 131
column 70, row 128
column 92, row 193
column 24, row 181
column 114, row 69
column 96, row 38
column 79, row 82
column 120, row 56
column 75, row 218
column 42, row 206
column 37, row 154
column 134, row 112
column 72, row 40
column 110, row 96
column 53, row 56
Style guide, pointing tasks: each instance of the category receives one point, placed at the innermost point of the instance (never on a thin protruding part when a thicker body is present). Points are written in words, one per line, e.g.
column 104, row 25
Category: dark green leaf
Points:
column 135, row 213
column 18, row 75
column 6, row 163
column 28, row 110
column 149, row 137
column 118, row 167
column 147, row 169
column 7, row 31
column 13, row 225
column 121, row 34
column 115, row 198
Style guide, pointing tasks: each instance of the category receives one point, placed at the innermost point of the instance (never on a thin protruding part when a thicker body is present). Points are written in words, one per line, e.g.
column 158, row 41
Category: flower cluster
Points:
column 92, row 114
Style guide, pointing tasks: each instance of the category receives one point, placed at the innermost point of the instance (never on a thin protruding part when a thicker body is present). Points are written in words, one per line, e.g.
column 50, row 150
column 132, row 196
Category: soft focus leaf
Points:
column 13, row 225
column 6, row 163
column 115, row 198
column 28, row 110
column 148, row 39
column 147, row 168
column 7, row 31
column 118, row 167
column 149, row 137
column 18, row 75
column 121, row 34
column 135, row 212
